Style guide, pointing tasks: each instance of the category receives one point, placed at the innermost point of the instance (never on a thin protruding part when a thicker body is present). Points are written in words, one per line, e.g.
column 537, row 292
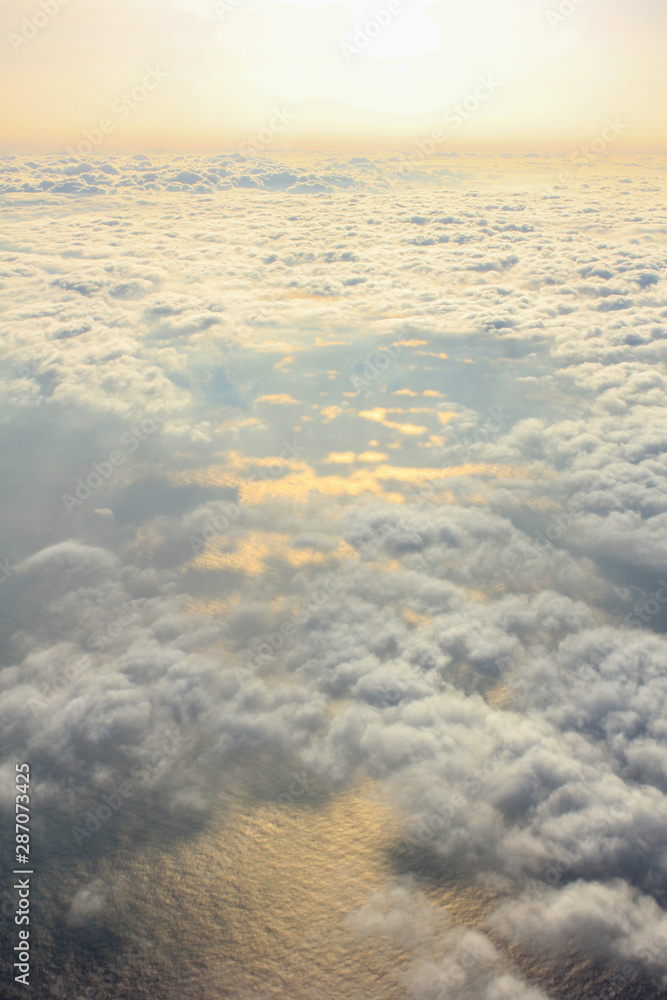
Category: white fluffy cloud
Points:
column 446, row 577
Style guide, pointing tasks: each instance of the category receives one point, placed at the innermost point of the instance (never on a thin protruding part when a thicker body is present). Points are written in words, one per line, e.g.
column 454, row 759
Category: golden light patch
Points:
column 296, row 484
column 340, row 458
column 300, row 479
column 371, row 456
column 431, row 392
column 405, row 392
column 248, row 554
column 385, row 566
column 475, row 595
column 413, row 618
column 407, row 474
column 235, row 425
column 499, row 696
column 412, row 343
column 445, row 417
column 380, row 416
column 280, row 399
column 251, row 553
column 432, row 354
column 213, row 608
column 285, row 363
column 331, row 412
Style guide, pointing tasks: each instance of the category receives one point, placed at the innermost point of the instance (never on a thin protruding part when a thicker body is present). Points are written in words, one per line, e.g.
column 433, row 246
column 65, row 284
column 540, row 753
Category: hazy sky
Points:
column 557, row 77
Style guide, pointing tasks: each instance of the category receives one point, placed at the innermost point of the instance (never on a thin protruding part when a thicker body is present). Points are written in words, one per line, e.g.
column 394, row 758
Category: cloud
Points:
column 491, row 509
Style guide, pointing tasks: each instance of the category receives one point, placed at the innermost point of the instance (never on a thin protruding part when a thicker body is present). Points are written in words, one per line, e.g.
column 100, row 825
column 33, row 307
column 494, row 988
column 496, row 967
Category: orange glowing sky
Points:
column 232, row 66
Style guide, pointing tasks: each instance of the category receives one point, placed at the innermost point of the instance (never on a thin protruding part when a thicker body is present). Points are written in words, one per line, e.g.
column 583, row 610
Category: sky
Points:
column 557, row 74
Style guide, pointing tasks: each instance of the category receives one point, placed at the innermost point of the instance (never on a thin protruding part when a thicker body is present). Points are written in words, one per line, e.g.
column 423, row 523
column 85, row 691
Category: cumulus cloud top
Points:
column 361, row 473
